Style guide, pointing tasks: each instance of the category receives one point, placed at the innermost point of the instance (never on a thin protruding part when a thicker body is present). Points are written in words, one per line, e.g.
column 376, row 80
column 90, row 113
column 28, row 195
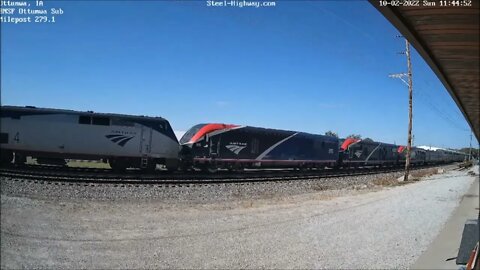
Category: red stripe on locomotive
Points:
column 347, row 143
column 208, row 129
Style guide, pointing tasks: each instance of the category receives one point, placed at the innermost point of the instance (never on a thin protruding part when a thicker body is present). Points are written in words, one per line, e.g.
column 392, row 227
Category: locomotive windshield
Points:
column 190, row 133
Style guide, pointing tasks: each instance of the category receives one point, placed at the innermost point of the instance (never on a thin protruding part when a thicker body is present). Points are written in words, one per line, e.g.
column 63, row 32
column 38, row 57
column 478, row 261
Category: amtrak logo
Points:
column 119, row 139
column 235, row 148
column 358, row 153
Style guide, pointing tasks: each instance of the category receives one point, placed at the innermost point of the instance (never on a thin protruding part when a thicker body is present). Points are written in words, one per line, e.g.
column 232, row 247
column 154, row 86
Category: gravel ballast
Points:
column 346, row 228
column 189, row 194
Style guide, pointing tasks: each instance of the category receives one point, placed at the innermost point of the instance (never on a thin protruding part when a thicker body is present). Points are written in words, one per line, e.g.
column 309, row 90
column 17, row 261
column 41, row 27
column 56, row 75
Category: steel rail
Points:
column 18, row 174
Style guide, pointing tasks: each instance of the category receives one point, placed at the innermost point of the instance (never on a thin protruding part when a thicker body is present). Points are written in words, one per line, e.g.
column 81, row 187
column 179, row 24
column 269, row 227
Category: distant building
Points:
column 431, row 148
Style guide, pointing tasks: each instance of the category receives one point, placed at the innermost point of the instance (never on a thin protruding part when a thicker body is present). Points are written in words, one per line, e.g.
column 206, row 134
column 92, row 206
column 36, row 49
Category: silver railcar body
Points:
column 122, row 139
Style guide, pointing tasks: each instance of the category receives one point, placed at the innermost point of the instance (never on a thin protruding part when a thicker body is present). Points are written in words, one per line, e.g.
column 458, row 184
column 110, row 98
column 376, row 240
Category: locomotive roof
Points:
column 272, row 130
column 262, row 129
column 368, row 141
column 88, row 113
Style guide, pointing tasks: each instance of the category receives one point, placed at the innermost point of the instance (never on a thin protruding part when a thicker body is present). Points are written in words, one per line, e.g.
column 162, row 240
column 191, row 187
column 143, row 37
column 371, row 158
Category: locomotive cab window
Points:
column 190, row 133
column 86, row 120
column 122, row 122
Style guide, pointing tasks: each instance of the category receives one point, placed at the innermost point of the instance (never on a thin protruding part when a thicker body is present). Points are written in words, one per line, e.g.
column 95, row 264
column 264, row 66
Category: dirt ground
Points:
column 383, row 228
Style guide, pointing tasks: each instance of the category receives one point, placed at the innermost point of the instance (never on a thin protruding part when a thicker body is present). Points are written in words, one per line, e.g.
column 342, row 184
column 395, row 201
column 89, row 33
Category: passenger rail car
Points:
column 454, row 156
column 435, row 156
column 52, row 135
column 213, row 146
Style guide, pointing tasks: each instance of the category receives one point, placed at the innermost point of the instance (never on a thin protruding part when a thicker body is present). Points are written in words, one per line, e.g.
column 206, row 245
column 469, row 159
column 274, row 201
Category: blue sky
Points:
column 309, row 66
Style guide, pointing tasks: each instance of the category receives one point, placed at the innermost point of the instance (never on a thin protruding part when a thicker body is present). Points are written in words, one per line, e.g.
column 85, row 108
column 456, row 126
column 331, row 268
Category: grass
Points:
column 88, row 164
column 76, row 163
column 414, row 176
column 387, row 182
column 424, row 173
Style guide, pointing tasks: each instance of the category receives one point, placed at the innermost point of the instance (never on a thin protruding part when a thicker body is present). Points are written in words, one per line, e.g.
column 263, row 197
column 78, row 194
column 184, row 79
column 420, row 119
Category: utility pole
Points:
column 409, row 83
column 410, row 108
column 470, row 149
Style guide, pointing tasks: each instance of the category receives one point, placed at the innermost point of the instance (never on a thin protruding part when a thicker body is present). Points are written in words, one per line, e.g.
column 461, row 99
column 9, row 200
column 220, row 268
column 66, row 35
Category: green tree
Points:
column 355, row 136
column 331, row 133
column 466, row 150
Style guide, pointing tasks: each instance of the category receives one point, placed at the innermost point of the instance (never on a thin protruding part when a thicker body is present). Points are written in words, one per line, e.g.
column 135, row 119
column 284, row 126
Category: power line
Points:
column 431, row 100
column 441, row 95
column 439, row 112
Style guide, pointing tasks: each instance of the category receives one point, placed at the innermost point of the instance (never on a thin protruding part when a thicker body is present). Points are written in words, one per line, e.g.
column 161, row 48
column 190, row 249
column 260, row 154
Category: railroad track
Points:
column 137, row 178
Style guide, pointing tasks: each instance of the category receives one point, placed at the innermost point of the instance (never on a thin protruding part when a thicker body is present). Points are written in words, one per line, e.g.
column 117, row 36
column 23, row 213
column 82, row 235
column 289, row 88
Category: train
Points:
column 52, row 136
column 214, row 146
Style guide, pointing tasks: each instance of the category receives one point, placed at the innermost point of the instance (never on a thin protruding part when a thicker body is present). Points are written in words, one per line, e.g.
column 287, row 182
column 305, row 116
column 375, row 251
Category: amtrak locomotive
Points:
column 52, row 135
column 214, row 146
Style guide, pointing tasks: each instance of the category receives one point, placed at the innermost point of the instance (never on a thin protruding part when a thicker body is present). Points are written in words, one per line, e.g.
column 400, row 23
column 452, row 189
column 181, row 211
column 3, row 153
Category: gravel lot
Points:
column 348, row 228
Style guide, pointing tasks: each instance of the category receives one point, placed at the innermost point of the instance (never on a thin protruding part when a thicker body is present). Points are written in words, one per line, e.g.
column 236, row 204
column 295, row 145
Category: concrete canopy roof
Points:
column 448, row 40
